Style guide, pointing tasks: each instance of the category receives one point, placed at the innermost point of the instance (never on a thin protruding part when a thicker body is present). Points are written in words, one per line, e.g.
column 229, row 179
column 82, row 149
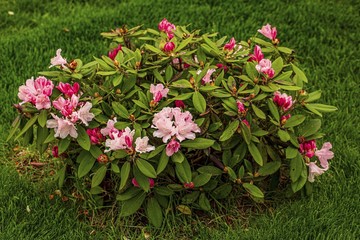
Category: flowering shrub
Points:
column 173, row 118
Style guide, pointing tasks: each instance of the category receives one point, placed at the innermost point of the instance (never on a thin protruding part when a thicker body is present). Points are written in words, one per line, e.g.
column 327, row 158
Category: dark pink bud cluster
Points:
column 308, row 148
column 284, row 101
column 95, row 136
column 230, row 45
column 112, row 54
column 167, row 27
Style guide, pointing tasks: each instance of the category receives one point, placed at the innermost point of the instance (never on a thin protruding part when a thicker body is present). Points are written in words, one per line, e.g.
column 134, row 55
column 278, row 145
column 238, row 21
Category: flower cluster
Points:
column 37, row 92
column 168, row 28
column 172, row 123
column 324, row 155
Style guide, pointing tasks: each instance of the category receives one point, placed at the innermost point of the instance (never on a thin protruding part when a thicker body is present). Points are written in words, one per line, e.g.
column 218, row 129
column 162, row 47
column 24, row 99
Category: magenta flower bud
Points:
column 246, row 123
column 222, row 66
column 189, row 185
column 230, row 45
column 258, row 55
column 95, row 136
column 240, row 106
column 169, row 47
column 112, row 54
column 136, row 184
column 308, row 148
column 172, row 147
column 179, row 104
column 55, row 151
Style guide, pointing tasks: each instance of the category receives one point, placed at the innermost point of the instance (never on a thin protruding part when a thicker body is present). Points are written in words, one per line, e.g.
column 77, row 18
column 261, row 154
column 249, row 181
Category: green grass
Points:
column 325, row 35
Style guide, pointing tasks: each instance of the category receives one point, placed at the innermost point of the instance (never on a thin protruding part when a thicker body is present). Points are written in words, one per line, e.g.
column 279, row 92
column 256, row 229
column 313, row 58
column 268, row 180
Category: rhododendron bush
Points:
column 175, row 119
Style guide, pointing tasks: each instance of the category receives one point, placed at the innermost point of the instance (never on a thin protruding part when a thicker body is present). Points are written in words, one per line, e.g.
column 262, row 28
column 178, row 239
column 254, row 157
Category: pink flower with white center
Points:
column 207, row 77
column 324, row 155
column 58, row 60
column 308, row 148
column 63, row 127
column 158, row 91
column 66, row 106
column 68, row 90
column 240, row 106
column 268, row 32
column 124, row 141
column 112, row 54
column 169, row 47
column 284, row 101
column 110, row 129
column 165, row 128
column 230, row 45
column 142, row 145
column 314, row 171
column 172, row 147
column 33, row 88
column 84, row 113
column 95, row 136
column 258, row 55
column 42, row 102
column 136, row 184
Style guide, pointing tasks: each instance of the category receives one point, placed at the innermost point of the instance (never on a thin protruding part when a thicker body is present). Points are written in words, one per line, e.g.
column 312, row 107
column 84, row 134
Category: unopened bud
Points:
column 73, row 64
column 118, row 91
column 132, row 117
column 189, row 185
column 192, row 80
column 96, row 94
column 137, row 65
column 103, row 159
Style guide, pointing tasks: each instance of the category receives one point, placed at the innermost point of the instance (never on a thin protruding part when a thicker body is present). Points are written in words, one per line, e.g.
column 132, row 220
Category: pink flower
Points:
column 179, row 104
column 207, row 77
column 167, row 27
column 164, row 126
column 63, row 127
column 263, row 66
column 136, row 184
column 314, row 171
column 122, row 141
column 112, row 54
column 142, row 146
column 169, row 46
column 158, row 91
column 42, row 102
column 172, row 147
column 324, row 154
column 230, row 45
column 36, row 92
column 58, row 60
column 95, row 136
column 110, row 129
column 84, row 113
column 66, row 106
column 283, row 100
column 308, row 148
column 68, row 90
column 185, row 127
column 240, row 106
column 258, row 55
column 268, row 32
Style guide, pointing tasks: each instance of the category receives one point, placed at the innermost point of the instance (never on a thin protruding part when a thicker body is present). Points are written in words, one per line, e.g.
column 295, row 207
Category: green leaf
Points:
column 29, row 124
column 198, row 143
column 245, row 132
column 178, row 157
column 291, row 152
column 42, row 133
column 61, row 176
column 146, row 168
column 42, row 118
column 321, row 107
column 273, row 109
column 255, row 153
column 229, row 131
column 310, row 127
column 313, row 96
column 63, row 144
column 154, row 49
column 183, row 171
column 183, row 83
column 184, row 209
column 184, row 43
column 115, row 168
column 14, row 127
column 296, row 167
column 253, row 190
column 299, row 184
column 258, row 112
column 120, row 110
column 277, row 65
column 86, row 163
column 158, row 76
column 157, row 150
column 269, row 168
column 283, row 135
column 95, row 151
column 285, row 50
column 128, row 194
column 130, row 206
column 294, row 121
column 163, row 162
column 164, row 191
column 83, row 138
column 222, row 191
column 251, row 70
column 140, row 104
column 214, row 171
column 124, row 174
column 106, row 73
column 204, row 202
column 98, row 176
column 154, row 212
column 117, row 80
column 300, row 73
column 96, row 190
column 199, row 102
column 202, row 179
column 50, row 137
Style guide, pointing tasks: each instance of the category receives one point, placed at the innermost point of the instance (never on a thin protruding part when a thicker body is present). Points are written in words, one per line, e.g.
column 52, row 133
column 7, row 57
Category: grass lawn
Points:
column 325, row 36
